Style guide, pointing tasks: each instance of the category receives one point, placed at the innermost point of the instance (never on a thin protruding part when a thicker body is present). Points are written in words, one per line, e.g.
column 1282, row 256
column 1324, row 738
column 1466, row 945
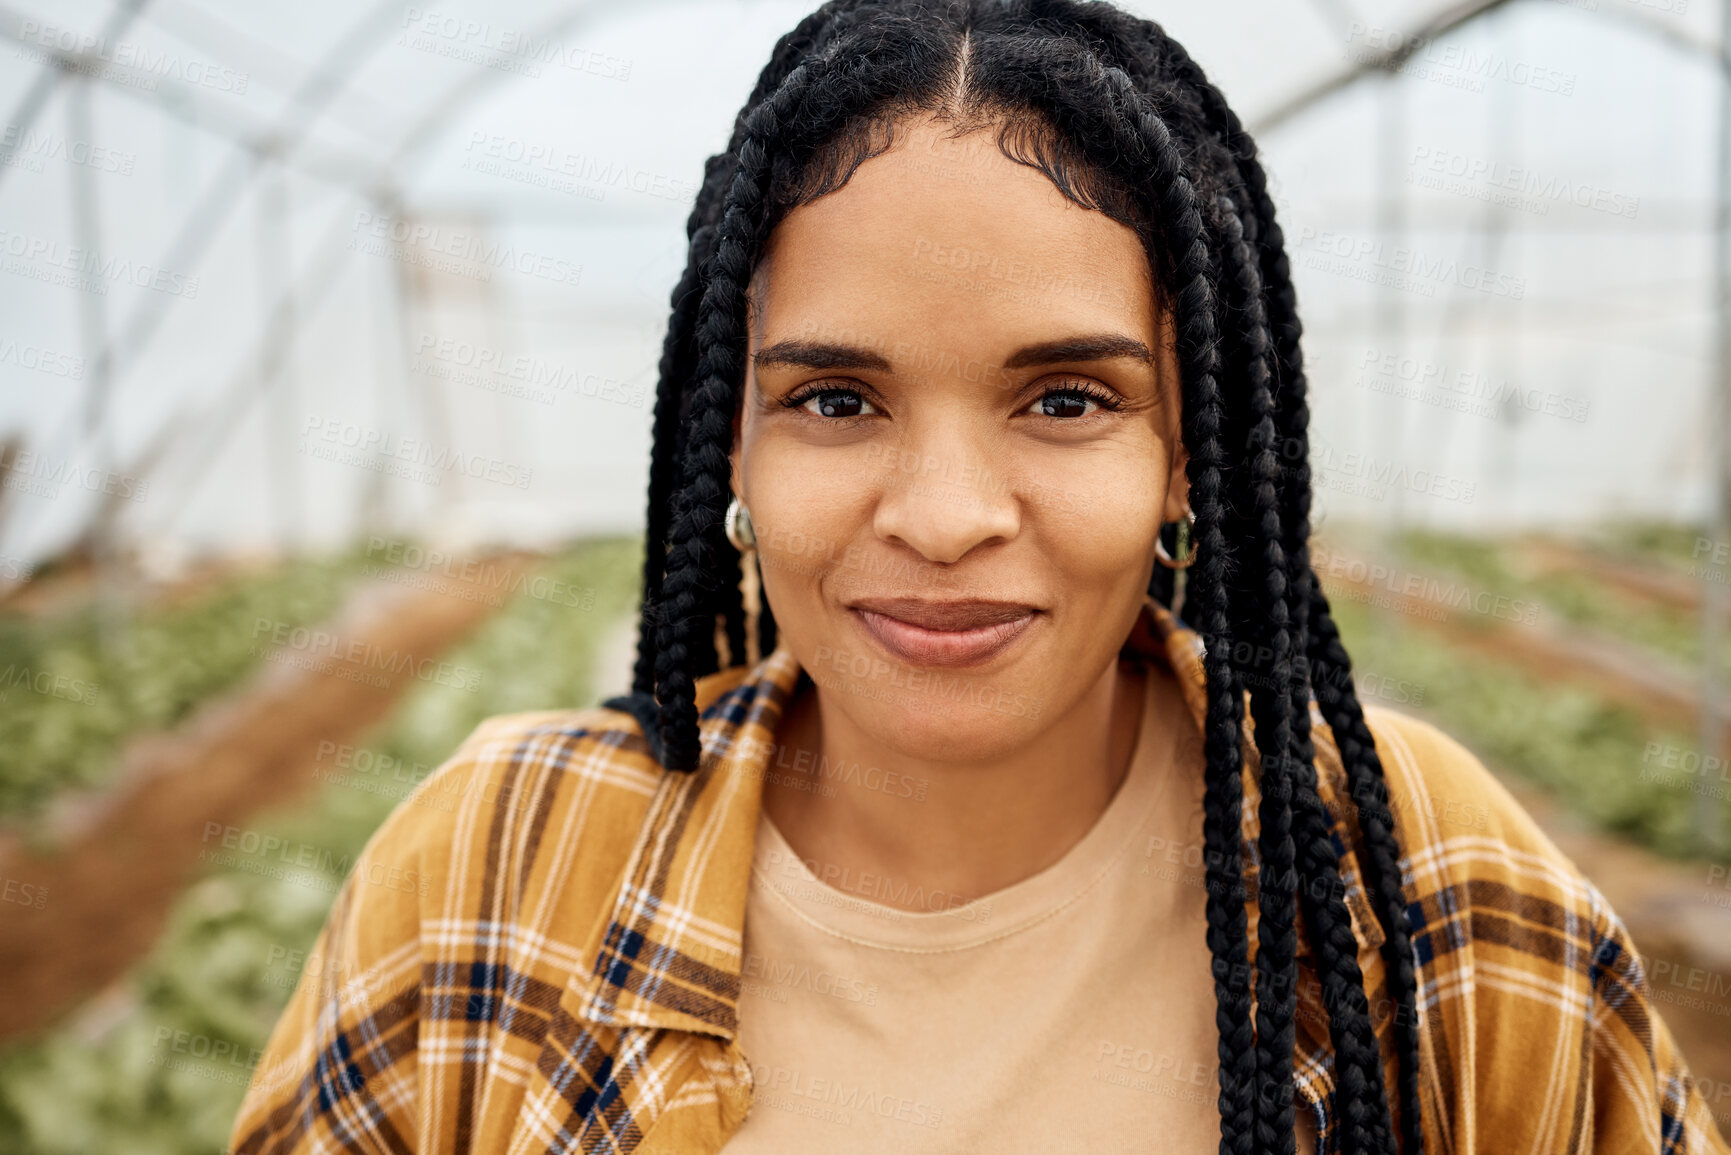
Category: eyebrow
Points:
column 826, row 356
column 821, row 355
column 1097, row 347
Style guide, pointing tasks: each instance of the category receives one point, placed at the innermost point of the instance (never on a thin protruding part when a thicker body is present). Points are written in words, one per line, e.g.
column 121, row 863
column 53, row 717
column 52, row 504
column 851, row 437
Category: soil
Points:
column 110, row 864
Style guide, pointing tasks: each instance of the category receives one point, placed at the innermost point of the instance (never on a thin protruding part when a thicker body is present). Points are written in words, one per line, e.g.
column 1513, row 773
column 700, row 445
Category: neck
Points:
column 962, row 829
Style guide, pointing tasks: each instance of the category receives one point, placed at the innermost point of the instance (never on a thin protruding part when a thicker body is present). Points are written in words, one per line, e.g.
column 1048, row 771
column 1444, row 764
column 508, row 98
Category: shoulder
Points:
column 526, row 785
column 531, row 811
column 1485, row 886
column 1526, row 971
column 1455, row 819
column 1494, row 907
column 486, row 888
column 514, row 767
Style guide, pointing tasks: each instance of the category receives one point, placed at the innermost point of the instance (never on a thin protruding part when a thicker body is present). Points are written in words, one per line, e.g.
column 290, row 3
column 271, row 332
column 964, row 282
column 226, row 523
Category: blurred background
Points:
column 328, row 336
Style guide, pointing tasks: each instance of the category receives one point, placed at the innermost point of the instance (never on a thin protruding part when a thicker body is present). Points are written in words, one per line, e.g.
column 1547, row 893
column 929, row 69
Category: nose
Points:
column 942, row 503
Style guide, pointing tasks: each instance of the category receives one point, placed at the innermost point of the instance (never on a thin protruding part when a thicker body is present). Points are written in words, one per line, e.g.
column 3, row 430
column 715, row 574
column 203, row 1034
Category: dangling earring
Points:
column 743, row 538
column 1186, row 545
column 738, row 524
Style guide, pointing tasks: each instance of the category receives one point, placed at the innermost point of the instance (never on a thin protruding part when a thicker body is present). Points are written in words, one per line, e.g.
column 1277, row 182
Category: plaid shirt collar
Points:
column 672, row 959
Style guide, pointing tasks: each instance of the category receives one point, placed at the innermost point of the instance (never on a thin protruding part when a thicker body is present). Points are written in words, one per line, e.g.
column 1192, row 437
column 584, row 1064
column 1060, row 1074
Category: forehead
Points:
column 946, row 238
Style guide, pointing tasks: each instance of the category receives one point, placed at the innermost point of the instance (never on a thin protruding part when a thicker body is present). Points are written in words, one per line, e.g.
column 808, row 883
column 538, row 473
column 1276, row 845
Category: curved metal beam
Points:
column 232, row 403
column 1386, row 60
column 53, row 71
column 1452, row 19
column 201, row 225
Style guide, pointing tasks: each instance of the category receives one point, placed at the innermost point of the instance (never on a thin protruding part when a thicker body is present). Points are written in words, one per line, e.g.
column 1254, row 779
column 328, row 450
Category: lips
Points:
column 946, row 633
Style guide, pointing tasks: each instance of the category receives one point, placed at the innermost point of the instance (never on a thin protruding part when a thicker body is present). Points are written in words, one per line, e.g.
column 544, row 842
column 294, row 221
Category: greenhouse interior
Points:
column 330, row 327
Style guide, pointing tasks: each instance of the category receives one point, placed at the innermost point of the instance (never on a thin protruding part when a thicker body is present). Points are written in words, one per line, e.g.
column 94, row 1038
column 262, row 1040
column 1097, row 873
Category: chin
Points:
column 939, row 714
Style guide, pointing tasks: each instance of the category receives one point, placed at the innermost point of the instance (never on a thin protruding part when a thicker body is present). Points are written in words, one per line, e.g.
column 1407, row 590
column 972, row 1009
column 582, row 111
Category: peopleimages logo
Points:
column 47, row 683
column 40, row 475
column 1374, row 477
column 318, row 649
column 1453, row 64
column 483, row 365
column 333, row 439
column 1434, row 167
column 1368, row 259
column 153, row 62
column 498, row 153
column 21, row 893
column 932, row 686
column 43, row 259
column 991, row 272
column 29, row 148
column 472, row 579
column 319, row 866
column 465, row 254
column 1426, row 589
column 1463, row 391
column 42, row 360
column 506, row 48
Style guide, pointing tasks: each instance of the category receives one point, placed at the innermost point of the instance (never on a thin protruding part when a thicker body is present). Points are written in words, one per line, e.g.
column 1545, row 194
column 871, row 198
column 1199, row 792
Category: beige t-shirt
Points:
column 1059, row 1014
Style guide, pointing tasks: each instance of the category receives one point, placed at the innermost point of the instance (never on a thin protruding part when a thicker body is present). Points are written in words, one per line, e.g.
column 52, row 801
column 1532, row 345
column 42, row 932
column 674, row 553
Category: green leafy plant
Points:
column 68, row 702
column 128, row 1074
column 1589, row 751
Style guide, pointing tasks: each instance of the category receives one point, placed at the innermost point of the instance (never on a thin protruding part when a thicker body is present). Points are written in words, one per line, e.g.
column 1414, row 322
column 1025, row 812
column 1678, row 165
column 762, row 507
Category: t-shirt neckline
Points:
column 848, row 909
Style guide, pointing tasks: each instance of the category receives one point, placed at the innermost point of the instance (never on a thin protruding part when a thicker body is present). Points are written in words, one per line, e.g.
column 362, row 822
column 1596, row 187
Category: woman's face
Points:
column 958, row 440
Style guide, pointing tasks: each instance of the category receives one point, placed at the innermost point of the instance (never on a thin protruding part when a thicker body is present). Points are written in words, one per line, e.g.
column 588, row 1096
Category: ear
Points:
column 1177, row 484
column 735, row 475
column 1172, row 392
column 735, row 456
column 754, row 302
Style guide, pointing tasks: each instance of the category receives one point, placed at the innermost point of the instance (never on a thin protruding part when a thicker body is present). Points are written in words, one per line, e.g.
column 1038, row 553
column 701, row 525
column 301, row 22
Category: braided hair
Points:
column 1121, row 120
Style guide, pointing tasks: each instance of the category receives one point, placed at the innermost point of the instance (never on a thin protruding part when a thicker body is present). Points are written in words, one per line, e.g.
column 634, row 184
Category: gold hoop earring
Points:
column 1186, row 544
column 740, row 535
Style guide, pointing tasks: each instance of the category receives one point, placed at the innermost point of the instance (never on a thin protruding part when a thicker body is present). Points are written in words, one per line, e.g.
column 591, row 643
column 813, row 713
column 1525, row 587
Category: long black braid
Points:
column 1122, row 120
column 1330, row 669
column 1271, row 703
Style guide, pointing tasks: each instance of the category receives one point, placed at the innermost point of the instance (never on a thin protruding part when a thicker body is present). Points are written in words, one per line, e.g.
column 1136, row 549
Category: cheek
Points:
column 808, row 505
column 1097, row 516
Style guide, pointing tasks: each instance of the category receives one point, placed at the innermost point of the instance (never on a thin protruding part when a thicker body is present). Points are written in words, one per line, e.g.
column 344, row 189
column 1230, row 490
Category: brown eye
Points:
column 835, row 403
column 1075, row 399
column 1065, row 403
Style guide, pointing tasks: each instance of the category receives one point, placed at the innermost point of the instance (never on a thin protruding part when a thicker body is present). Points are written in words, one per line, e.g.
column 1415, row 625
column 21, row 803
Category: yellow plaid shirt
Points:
column 568, row 977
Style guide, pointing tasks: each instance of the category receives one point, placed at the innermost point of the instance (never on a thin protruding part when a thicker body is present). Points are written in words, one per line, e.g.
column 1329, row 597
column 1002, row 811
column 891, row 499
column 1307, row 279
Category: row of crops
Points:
column 157, row 1065
column 71, row 692
column 1604, row 758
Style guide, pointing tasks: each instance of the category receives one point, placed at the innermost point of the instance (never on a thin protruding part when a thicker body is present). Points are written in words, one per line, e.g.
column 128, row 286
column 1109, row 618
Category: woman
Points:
column 933, row 828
